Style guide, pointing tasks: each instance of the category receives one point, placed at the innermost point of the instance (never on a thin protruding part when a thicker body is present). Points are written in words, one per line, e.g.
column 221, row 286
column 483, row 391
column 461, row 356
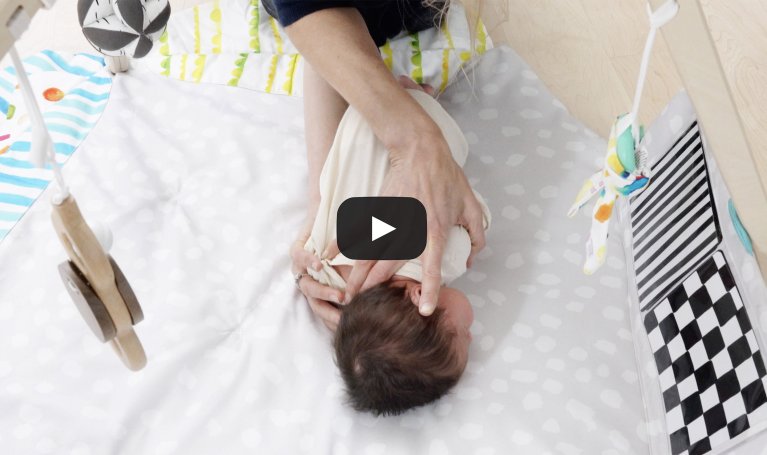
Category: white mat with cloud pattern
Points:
column 203, row 188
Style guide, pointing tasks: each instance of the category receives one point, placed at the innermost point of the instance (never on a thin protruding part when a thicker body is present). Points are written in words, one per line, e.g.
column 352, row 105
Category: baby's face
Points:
column 457, row 311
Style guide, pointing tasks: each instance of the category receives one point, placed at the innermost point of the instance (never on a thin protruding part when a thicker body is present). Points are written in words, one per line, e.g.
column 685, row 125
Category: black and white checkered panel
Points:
column 674, row 224
column 712, row 372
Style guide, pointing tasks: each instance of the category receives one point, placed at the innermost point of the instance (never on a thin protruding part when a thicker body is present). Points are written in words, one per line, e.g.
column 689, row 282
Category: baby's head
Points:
column 393, row 359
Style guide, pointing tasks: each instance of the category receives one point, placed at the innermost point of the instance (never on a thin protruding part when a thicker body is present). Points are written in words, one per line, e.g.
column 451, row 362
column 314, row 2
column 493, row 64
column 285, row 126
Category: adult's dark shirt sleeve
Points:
column 289, row 11
column 384, row 18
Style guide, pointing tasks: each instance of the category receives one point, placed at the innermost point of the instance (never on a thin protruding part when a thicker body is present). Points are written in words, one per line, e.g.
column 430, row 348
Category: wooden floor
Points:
column 587, row 52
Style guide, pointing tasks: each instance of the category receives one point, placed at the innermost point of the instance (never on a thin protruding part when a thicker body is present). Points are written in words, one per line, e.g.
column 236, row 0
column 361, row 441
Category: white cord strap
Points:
column 658, row 19
column 625, row 170
column 41, row 142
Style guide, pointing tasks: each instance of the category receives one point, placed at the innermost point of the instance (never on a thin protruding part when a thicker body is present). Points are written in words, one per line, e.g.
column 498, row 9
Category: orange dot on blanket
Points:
column 53, row 94
column 604, row 212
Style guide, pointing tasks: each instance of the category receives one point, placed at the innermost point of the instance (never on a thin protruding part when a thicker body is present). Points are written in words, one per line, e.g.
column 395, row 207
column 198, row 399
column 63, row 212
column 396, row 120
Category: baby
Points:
column 390, row 357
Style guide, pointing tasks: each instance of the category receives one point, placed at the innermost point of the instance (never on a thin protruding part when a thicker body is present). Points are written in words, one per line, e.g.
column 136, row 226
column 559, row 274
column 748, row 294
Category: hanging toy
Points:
column 626, row 170
column 123, row 27
column 92, row 278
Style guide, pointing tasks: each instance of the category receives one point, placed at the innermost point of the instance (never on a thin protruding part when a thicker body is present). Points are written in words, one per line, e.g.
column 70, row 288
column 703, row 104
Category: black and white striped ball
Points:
column 123, row 27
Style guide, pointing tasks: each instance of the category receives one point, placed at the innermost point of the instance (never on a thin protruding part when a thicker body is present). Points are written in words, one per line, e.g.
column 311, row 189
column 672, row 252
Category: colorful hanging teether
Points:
column 624, row 173
column 625, row 170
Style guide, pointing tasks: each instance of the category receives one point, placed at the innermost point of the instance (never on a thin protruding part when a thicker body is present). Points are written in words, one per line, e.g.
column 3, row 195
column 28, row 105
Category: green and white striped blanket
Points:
column 235, row 42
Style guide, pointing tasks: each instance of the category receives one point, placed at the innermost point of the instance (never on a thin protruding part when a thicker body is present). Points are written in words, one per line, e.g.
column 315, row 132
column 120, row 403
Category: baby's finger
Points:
column 382, row 271
column 314, row 290
column 357, row 277
column 428, row 89
column 432, row 273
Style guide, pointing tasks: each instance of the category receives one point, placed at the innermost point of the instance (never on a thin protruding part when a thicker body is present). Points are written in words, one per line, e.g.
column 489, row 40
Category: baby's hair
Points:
column 391, row 358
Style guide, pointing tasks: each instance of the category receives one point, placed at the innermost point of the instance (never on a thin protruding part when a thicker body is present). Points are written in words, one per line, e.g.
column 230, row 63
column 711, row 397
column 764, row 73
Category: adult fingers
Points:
column 428, row 89
column 432, row 272
column 314, row 290
column 357, row 277
column 474, row 222
column 382, row 271
column 331, row 251
column 303, row 260
column 331, row 325
column 329, row 314
column 408, row 83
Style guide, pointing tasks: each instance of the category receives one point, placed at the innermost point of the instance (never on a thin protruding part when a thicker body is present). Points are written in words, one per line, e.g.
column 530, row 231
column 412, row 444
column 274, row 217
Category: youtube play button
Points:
column 381, row 228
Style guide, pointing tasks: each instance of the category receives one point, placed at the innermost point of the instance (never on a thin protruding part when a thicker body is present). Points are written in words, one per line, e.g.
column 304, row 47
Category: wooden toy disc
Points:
column 128, row 347
column 126, row 292
column 87, row 302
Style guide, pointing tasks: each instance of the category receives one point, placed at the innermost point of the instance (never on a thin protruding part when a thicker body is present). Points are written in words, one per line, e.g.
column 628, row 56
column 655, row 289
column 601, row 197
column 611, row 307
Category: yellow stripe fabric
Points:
column 415, row 59
column 255, row 19
column 196, row 29
column 215, row 16
column 165, row 50
column 277, row 36
column 199, row 67
column 481, row 37
column 164, row 44
column 239, row 67
column 255, row 54
column 446, row 32
column 388, row 55
column 445, row 68
column 272, row 73
column 183, row 67
column 287, row 87
column 165, row 65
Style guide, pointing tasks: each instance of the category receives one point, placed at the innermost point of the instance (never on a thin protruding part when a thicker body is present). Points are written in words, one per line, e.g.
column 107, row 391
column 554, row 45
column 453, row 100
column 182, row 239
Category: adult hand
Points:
column 425, row 169
column 318, row 296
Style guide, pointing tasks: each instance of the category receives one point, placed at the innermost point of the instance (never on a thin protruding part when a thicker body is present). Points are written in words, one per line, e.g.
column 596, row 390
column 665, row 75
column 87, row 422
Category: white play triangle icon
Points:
column 379, row 228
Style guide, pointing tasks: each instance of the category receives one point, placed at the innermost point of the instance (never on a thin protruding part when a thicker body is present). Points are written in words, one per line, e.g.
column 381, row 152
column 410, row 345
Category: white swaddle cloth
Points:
column 355, row 167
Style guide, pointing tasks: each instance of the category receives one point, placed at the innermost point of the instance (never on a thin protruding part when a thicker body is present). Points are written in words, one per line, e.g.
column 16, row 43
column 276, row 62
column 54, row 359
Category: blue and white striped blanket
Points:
column 72, row 91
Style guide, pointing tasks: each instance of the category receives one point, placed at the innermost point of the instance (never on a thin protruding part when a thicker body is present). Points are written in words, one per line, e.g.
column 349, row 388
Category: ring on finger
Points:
column 297, row 277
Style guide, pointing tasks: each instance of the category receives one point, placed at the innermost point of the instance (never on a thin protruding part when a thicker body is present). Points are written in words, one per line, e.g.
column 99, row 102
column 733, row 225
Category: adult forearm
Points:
column 337, row 44
column 323, row 109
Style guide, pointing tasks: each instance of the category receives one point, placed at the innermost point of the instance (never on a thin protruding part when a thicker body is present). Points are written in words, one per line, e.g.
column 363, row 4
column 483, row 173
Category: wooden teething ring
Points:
column 97, row 285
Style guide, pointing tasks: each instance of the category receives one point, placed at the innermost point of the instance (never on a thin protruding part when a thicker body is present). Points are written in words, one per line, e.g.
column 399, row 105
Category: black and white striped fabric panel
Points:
column 674, row 223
